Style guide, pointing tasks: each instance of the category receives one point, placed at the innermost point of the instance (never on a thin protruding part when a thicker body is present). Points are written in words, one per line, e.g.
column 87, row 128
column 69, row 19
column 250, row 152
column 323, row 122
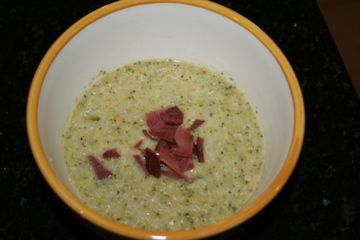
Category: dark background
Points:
column 320, row 200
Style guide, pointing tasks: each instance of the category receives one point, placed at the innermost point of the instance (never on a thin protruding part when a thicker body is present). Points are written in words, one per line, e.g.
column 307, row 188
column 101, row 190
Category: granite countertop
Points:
column 320, row 200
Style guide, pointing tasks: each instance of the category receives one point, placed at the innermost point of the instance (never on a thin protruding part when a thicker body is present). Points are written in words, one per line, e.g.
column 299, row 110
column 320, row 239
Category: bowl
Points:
column 193, row 30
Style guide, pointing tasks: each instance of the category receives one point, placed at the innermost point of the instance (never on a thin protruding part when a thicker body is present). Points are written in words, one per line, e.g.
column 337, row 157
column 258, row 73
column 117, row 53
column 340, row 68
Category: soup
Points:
column 111, row 115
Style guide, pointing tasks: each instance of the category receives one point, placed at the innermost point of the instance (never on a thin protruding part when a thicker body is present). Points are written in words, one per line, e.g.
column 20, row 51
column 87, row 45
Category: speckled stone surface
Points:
column 320, row 201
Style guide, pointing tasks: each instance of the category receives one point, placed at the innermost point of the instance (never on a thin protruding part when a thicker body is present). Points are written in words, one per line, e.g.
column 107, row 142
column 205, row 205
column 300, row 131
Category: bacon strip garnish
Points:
column 184, row 141
column 147, row 134
column 174, row 175
column 200, row 149
column 138, row 144
column 141, row 163
column 100, row 171
column 111, row 153
column 197, row 123
column 175, row 148
column 163, row 123
column 172, row 116
column 152, row 163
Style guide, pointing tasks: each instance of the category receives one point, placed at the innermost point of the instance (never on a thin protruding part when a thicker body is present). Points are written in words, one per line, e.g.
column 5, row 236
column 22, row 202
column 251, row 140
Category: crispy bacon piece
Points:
column 185, row 164
column 164, row 122
column 111, row 153
column 184, row 140
column 194, row 153
column 100, row 171
column 175, row 147
column 162, row 144
column 138, row 144
column 200, row 149
column 174, row 175
column 197, row 123
column 167, row 157
column 152, row 163
column 176, row 163
column 172, row 115
column 146, row 134
column 152, row 118
column 166, row 133
column 141, row 163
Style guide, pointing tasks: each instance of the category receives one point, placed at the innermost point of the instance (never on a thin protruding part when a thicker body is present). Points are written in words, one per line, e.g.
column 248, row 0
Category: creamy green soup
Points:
column 111, row 114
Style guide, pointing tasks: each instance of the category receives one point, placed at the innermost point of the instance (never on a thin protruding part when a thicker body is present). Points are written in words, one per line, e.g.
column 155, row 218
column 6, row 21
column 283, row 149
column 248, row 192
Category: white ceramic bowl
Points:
column 198, row 31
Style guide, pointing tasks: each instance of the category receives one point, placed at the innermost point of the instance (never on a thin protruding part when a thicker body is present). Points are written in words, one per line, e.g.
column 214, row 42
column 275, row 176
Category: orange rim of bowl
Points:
column 117, row 228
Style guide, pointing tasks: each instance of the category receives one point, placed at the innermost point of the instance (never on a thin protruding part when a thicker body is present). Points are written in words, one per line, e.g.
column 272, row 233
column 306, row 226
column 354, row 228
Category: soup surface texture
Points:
column 111, row 114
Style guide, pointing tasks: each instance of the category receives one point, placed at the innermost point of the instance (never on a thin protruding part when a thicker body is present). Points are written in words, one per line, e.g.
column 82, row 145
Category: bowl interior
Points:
column 169, row 30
